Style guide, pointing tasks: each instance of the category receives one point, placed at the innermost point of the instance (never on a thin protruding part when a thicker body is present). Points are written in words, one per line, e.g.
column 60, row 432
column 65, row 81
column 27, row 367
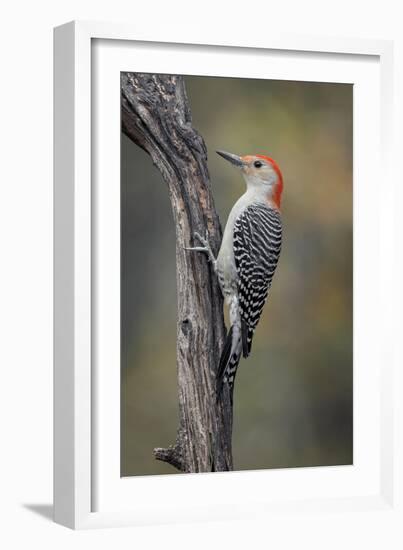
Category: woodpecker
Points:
column 248, row 256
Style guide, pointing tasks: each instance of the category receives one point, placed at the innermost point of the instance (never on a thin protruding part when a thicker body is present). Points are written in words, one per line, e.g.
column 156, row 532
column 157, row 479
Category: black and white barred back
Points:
column 257, row 245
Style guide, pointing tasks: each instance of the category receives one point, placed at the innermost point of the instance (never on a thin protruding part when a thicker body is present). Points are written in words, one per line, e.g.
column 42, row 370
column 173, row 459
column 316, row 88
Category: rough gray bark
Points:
column 156, row 116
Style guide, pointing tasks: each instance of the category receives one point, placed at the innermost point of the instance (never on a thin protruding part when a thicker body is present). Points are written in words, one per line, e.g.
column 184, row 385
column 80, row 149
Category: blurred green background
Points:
column 293, row 396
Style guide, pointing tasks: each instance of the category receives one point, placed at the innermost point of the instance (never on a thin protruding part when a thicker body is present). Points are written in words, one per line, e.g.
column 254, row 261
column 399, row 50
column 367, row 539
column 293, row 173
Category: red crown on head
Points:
column 279, row 187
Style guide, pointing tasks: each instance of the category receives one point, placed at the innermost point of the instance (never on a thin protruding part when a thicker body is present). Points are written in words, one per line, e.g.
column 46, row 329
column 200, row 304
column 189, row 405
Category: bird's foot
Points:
column 206, row 248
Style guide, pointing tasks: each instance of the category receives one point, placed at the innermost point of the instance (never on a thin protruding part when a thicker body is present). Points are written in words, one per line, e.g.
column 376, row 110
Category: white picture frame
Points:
column 88, row 491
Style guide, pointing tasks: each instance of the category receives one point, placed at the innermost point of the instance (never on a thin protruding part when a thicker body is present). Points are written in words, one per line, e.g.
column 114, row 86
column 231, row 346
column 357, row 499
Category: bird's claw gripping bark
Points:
column 204, row 240
column 206, row 248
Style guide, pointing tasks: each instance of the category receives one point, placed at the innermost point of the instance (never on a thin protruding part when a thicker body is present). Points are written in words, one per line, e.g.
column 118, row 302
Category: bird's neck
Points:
column 262, row 195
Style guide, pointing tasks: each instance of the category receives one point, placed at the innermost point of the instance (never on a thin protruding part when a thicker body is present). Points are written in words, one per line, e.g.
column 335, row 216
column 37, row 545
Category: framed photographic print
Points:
column 223, row 337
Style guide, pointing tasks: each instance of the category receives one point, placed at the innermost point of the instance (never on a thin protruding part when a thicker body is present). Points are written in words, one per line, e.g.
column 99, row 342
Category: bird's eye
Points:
column 257, row 164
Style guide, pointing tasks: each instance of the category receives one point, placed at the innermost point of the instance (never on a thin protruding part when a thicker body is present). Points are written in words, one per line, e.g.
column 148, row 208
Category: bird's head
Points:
column 262, row 175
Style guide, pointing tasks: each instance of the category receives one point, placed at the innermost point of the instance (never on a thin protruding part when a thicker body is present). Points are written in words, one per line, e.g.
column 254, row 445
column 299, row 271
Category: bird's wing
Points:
column 257, row 245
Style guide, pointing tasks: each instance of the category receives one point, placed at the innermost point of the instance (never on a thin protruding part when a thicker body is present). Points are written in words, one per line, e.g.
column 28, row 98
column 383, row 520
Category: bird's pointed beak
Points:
column 234, row 159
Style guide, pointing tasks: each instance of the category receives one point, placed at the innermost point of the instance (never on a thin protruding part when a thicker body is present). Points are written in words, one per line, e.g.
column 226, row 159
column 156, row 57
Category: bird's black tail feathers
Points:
column 247, row 336
column 229, row 360
column 225, row 355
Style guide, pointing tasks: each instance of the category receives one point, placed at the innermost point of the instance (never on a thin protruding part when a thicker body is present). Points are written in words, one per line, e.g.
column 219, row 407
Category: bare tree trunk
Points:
column 156, row 116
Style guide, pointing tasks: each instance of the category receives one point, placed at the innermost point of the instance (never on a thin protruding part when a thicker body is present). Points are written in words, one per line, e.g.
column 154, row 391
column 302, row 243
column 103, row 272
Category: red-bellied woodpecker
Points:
column 248, row 256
